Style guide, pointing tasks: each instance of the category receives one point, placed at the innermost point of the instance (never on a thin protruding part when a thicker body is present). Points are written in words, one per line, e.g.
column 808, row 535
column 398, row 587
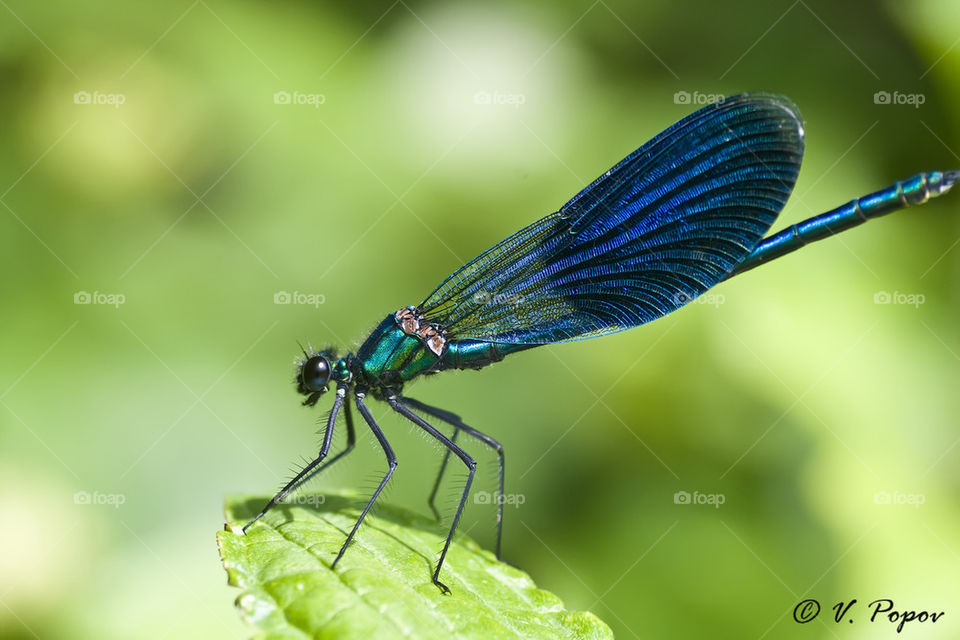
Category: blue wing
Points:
column 665, row 224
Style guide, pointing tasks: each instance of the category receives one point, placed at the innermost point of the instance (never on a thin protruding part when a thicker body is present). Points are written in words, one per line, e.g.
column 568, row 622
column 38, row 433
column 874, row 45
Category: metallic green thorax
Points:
column 399, row 350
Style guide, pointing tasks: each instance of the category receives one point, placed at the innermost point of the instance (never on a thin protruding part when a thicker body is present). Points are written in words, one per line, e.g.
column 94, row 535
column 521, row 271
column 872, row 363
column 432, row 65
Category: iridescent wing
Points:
column 668, row 222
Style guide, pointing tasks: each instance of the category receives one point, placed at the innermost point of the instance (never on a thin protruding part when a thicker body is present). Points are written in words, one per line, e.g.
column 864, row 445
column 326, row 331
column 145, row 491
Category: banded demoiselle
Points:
column 677, row 216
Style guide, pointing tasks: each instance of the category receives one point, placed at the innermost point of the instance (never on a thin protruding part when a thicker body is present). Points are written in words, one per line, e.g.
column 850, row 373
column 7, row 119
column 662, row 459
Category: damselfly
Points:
column 677, row 216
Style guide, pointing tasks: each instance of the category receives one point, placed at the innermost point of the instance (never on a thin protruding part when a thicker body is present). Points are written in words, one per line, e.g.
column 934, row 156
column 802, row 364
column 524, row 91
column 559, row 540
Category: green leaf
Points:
column 382, row 586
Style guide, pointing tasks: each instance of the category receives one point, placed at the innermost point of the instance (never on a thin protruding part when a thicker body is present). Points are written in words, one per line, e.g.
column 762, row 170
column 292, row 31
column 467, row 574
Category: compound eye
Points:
column 315, row 373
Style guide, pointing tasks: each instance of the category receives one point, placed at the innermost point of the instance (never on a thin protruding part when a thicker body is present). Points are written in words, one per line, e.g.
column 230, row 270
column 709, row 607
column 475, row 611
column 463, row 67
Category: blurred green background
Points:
column 416, row 135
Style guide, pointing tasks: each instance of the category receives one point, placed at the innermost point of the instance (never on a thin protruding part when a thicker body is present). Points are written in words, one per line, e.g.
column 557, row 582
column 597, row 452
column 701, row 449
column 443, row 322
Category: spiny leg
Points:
column 463, row 455
column 351, row 440
column 443, row 466
column 391, row 461
column 306, row 471
column 457, row 422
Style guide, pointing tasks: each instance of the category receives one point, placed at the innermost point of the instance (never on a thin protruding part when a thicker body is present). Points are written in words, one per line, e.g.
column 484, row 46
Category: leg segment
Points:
column 307, row 470
column 391, row 461
column 455, row 421
column 467, row 460
column 351, row 440
column 436, row 483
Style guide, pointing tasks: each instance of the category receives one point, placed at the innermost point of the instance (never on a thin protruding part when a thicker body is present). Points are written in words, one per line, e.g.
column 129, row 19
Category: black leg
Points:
column 306, row 471
column 436, row 483
column 351, row 440
column 455, row 421
column 467, row 460
column 391, row 461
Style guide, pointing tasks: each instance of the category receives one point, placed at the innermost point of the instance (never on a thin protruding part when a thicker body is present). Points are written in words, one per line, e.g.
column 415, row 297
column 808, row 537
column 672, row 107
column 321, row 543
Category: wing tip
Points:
column 775, row 99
